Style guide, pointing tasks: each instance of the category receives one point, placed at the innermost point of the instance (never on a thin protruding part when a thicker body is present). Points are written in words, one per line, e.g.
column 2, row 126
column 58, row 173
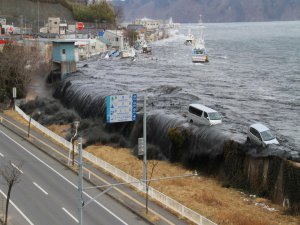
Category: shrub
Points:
column 179, row 139
column 102, row 11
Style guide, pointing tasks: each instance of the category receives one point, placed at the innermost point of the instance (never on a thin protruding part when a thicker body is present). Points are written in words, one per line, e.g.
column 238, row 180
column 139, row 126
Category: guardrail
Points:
column 158, row 196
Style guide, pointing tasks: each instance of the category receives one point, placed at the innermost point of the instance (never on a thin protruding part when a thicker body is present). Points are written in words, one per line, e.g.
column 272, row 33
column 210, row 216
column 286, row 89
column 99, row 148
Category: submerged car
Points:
column 261, row 135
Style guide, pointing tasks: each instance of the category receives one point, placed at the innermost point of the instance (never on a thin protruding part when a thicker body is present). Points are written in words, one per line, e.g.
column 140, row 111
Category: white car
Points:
column 261, row 135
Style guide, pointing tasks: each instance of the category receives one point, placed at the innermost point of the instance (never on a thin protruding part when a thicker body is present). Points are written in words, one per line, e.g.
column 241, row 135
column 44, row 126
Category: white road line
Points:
column 64, row 178
column 16, row 167
column 39, row 187
column 14, row 205
column 73, row 217
column 1, row 155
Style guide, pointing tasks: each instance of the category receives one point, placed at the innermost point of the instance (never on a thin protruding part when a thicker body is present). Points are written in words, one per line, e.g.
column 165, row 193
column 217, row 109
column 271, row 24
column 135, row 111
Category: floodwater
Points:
column 253, row 76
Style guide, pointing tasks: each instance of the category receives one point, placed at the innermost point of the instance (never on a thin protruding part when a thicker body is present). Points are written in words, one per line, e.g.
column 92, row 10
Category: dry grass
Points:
column 205, row 195
column 61, row 130
column 16, row 116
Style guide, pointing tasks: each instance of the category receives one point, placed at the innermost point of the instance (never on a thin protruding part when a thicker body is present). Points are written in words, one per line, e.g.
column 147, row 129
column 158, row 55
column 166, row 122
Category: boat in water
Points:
column 127, row 52
column 199, row 54
column 189, row 39
column 146, row 49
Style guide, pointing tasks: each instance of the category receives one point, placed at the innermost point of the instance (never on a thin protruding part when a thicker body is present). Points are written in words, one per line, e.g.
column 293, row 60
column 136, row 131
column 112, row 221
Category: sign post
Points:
column 141, row 146
column 145, row 141
column 14, row 97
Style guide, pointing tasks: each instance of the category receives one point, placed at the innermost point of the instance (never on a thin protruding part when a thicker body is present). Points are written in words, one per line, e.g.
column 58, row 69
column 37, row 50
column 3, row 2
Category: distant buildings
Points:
column 57, row 41
column 149, row 24
column 56, row 26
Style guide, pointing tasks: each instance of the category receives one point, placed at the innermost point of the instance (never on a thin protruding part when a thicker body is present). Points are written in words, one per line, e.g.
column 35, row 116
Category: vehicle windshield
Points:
column 214, row 116
column 267, row 135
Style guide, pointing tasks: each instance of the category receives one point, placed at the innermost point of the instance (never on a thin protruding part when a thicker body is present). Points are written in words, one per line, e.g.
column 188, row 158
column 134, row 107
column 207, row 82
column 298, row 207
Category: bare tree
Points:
column 119, row 14
column 18, row 65
column 11, row 174
column 153, row 164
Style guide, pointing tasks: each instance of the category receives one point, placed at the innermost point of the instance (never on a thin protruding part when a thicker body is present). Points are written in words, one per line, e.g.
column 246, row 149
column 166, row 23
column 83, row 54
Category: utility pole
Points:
column 38, row 16
column 80, row 179
column 145, row 140
column 22, row 26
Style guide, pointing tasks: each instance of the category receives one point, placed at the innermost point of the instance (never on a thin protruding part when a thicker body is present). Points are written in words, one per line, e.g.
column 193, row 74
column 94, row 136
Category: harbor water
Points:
column 253, row 76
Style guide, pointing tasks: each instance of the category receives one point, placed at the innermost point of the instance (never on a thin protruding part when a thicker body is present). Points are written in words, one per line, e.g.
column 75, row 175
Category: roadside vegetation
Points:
column 95, row 12
column 17, row 67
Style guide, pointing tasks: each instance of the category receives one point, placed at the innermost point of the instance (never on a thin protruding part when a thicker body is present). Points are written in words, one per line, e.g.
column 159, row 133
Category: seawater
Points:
column 253, row 76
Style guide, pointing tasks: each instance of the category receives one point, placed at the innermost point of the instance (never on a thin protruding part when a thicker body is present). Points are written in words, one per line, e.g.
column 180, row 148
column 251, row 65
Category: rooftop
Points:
column 259, row 127
column 202, row 107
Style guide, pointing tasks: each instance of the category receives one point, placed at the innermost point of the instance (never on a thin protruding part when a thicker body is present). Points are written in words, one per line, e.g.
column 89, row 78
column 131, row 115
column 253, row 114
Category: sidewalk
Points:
column 123, row 194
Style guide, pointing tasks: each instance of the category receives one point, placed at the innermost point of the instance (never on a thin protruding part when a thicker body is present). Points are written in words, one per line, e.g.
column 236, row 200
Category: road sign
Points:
column 14, row 92
column 121, row 108
column 10, row 29
column 3, row 21
column 141, row 146
column 80, row 25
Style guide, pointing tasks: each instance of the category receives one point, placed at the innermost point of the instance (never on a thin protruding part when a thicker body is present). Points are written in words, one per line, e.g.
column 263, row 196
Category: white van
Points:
column 200, row 114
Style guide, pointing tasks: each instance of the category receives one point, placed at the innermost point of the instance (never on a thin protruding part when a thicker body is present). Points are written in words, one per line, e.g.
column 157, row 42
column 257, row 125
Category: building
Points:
column 56, row 26
column 136, row 28
column 53, row 25
column 116, row 38
column 89, row 47
column 149, row 24
column 64, row 57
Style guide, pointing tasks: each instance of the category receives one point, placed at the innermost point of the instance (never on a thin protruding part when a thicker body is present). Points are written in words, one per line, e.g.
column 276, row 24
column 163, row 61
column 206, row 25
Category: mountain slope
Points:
column 213, row 10
column 16, row 10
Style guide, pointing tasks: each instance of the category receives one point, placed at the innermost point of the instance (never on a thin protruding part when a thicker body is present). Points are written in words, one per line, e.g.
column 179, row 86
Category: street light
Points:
column 80, row 180
column 76, row 125
column 39, row 113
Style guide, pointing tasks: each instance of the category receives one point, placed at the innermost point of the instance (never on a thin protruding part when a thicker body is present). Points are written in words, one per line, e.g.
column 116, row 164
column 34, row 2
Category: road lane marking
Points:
column 39, row 187
column 17, row 168
column 1, row 155
column 100, row 178
column 64, row 178
column 73, row 217
column 14, row 205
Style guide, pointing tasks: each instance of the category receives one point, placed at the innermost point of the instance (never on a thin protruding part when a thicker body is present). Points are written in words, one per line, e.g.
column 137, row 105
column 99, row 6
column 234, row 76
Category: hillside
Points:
column 15, row 10
column 213, row 10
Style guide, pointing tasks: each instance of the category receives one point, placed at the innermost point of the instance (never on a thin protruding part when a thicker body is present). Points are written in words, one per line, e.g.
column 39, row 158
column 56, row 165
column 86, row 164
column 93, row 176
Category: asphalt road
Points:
column 47, row 193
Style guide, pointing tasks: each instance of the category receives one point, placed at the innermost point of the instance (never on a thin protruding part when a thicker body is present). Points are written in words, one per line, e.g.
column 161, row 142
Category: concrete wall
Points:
column 257, row 171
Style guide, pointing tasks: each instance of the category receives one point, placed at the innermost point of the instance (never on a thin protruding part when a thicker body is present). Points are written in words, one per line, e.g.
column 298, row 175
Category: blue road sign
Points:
column 121, row 108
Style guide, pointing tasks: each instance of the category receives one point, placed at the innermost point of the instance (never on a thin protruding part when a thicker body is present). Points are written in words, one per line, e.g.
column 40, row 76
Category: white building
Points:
column 150, row 24
column 56, row 26
column 116, row 38
column 89, row 47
